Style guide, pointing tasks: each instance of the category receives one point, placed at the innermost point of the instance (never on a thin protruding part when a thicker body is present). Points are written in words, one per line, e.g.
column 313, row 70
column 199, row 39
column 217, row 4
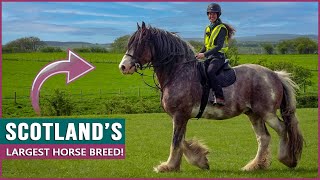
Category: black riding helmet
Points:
column 214, row 7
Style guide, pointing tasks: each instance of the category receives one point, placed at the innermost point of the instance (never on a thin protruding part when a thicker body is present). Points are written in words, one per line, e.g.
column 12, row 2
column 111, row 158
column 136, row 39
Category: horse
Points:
column 258, row 93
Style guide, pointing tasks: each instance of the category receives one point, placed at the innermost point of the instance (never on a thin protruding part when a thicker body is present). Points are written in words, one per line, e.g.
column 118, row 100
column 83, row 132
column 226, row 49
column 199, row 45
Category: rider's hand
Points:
column 200, row 56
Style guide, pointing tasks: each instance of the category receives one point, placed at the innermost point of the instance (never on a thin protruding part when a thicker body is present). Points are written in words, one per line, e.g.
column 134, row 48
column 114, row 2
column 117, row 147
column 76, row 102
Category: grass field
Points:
column 19, row 70
column 232, row 144
column 148, row 136
column 105, row 81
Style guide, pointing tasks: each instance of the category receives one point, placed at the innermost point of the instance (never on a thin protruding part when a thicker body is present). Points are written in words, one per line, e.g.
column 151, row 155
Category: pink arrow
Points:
column 74, row 67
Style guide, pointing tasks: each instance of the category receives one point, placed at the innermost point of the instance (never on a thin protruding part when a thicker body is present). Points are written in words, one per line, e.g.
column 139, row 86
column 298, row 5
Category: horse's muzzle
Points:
column 127, row 68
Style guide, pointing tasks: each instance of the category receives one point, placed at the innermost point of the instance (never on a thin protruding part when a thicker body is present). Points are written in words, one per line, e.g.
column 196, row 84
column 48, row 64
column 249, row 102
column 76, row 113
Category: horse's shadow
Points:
column 285, row 173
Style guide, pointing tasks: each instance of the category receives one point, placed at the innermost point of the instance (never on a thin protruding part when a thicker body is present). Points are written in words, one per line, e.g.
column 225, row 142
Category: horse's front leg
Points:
column 174, row 160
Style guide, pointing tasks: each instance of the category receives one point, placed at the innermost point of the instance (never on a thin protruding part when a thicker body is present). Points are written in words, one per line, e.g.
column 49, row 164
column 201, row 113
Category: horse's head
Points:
column 139, row 51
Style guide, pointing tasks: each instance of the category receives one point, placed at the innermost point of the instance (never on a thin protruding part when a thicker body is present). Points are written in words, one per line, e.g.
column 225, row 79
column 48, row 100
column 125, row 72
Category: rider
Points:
column 215, row 46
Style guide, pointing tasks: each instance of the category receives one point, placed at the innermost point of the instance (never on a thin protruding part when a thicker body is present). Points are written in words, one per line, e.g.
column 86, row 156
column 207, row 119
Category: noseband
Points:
column 135, row 61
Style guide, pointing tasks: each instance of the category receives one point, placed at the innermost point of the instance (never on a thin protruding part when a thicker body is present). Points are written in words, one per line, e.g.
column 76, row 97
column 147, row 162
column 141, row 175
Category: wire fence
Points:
column 81, row 94
column 85, row 94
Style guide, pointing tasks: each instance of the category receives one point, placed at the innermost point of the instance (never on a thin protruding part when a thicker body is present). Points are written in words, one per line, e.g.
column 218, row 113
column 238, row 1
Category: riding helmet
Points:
column 214, row 7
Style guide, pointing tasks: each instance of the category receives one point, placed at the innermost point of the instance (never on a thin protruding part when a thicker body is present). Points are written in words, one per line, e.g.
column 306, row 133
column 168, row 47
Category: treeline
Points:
column 301, row 45
column 26, row 44
column 34, row 44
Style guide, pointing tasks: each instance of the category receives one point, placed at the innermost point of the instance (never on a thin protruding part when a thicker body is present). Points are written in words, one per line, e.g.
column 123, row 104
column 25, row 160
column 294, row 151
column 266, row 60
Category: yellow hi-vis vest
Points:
column 209, row 38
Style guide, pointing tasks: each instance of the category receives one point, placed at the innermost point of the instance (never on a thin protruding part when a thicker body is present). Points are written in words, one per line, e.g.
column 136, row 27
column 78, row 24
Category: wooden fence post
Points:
column 15, row 97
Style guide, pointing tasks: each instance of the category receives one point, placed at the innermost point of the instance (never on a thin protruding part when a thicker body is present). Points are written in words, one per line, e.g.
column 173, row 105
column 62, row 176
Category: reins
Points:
column 163, row 61
column 149, row 65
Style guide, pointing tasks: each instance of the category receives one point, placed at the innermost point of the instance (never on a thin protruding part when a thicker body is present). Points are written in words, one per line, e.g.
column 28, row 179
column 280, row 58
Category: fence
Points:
column 83, row 94
column 106, row 93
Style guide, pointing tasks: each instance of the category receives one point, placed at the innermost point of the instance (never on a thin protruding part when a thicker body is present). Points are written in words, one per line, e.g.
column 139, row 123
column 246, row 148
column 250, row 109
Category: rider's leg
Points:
column 214, row 66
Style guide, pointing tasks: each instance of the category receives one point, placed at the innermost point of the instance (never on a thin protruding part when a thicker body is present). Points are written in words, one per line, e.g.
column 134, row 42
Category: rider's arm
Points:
column 203, row 49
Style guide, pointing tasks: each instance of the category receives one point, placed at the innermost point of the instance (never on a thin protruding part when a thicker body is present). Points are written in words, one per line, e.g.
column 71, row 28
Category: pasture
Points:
column 105, row 82
column 232, row 144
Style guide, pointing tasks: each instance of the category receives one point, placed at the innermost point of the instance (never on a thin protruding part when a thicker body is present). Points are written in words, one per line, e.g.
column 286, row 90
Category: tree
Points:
column 304, row 45
column 197, row 45
column 268, row 48
column 26, row 44
column 233, row 53
column 120, row 44
column 285, row 47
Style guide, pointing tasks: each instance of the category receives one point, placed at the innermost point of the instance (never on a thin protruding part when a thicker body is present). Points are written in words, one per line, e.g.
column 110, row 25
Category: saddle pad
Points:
column 226, row 77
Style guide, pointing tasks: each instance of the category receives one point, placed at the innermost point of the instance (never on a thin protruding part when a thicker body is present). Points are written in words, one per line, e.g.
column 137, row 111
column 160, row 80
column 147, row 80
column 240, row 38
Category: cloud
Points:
column 145, row 5
column 20, row 26
column 84, row 13
column 113, row 19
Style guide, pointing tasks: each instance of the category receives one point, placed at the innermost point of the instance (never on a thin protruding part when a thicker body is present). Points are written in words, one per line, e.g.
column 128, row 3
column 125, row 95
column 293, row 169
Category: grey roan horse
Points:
column 258, row 93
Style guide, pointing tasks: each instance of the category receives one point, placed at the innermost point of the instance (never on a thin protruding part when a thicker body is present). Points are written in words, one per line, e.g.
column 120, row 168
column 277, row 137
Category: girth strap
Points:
column 205, row 88
column 204, row 100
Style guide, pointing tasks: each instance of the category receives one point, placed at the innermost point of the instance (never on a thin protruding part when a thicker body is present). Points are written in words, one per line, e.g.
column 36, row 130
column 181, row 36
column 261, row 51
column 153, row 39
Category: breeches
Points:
column 212, row 70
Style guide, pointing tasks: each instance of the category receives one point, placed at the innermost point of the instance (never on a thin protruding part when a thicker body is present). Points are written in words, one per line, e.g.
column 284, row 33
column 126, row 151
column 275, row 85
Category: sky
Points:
column 103, row 22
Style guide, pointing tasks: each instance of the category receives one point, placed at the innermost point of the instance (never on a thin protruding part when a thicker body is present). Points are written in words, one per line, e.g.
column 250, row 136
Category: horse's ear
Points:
column 143, row 25
column 138, row 26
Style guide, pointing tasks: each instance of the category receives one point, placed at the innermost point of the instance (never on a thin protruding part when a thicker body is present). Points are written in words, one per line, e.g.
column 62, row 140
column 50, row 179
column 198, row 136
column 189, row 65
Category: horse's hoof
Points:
column 206, row 167
column 204, row 164
column 164, row 167
column 290, row 163
column 253, row 166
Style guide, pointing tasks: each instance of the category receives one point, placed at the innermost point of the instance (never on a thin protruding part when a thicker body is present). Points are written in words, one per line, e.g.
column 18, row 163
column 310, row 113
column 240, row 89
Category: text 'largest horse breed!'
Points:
column 258, row 92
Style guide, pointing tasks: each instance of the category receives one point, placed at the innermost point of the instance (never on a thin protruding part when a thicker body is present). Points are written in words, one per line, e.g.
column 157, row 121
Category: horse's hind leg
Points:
column 279, row 126
column 263, row 156
column 176, row 151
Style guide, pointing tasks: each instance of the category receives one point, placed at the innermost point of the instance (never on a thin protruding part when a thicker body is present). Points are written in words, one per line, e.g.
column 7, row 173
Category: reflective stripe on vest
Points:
column 209, row 40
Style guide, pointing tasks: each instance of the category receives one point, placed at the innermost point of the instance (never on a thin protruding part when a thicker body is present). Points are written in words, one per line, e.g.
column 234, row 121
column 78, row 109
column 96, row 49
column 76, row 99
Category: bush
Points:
column 98, row 50
column 132, row 105
column 307, row 101
column 300, row 75
column 82, row 50
column 90, row 50
column 58, row 104
column 49, row 49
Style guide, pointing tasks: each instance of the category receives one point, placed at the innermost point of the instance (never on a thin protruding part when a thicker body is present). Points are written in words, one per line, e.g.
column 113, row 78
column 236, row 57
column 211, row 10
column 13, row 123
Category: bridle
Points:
column 136, row 63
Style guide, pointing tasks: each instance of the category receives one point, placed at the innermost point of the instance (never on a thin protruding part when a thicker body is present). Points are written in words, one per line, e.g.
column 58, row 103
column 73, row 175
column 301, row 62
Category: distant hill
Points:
column 65, row 45
column 265, row 37
column 275, row 37
column 258, row 38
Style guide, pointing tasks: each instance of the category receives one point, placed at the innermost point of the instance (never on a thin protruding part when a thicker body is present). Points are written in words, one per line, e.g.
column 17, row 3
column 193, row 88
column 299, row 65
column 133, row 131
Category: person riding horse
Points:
column 215, row 46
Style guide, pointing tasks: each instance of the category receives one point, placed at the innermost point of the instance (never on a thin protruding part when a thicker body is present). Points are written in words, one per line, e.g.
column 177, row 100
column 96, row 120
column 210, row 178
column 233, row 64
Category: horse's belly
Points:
column 217, row 112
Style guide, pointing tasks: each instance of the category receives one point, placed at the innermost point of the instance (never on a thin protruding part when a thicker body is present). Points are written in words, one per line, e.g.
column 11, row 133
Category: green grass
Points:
column 232, row 144
column 309, row 61
column 20, row 69
column 18, row 74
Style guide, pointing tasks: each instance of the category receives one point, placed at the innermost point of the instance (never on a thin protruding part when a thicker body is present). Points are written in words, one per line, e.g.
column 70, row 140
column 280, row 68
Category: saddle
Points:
column 226, row 76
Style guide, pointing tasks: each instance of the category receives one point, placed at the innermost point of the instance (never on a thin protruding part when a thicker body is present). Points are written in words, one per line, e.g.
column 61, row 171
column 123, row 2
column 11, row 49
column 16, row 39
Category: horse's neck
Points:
column 178, row 72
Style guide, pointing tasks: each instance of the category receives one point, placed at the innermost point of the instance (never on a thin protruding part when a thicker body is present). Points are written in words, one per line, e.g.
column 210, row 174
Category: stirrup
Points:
column 217, row 101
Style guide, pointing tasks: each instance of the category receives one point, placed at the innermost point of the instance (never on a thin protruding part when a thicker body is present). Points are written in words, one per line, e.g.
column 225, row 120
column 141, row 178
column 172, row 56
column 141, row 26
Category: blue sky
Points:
column 105, row 21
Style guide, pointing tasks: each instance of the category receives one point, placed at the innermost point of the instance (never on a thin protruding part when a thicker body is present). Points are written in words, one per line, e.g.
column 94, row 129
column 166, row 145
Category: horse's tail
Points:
column 288, row 113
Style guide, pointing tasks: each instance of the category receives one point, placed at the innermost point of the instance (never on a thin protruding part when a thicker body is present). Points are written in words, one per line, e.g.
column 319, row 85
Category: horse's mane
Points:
column 169, row 47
